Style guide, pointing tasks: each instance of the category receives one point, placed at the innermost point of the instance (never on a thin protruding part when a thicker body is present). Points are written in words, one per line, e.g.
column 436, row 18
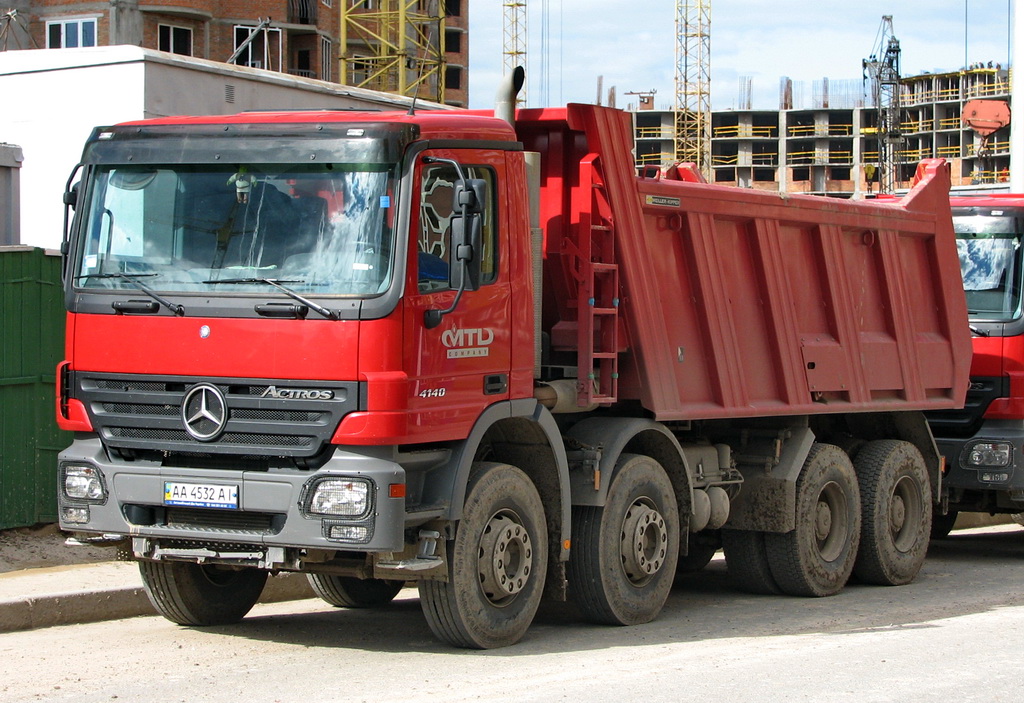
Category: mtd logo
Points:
column 468, row 342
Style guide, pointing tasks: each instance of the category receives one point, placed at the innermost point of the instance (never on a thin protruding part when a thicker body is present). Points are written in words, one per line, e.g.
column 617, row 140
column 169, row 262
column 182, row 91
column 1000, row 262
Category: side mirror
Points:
column 466, row 247
column 71, row 195
column 470, row 196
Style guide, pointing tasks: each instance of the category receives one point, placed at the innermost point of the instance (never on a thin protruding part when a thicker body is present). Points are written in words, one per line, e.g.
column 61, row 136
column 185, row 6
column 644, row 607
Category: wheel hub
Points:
column 822, row 521
column 897, row 513
column 643, row 543
column 505, row 558
column 832, row 521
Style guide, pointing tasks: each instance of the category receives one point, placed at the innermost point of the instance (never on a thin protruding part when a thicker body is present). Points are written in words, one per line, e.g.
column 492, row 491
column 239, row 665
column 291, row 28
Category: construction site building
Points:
column 834, row 151
column 302, row 38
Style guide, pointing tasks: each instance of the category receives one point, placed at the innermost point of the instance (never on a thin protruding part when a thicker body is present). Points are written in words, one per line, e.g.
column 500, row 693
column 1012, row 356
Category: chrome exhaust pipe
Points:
column 508, row 89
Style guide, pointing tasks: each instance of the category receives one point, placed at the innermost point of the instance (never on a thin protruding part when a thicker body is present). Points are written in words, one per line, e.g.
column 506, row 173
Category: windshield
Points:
column 321, row 230
column 990, row 261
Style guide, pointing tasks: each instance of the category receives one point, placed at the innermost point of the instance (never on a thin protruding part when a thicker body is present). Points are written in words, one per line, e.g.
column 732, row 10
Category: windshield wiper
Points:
column 978, row 332
column 173, row 307
column 276, row 283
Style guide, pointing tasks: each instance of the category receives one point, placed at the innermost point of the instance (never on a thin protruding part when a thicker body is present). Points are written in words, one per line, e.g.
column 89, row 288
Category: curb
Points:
column 31, row 612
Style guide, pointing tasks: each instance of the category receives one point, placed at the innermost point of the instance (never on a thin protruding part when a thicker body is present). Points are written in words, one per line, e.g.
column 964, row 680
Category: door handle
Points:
column 495, row 384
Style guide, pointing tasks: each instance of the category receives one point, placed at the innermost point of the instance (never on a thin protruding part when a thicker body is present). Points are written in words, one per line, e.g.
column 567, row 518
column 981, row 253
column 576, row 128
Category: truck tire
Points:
column 896, row 516
column 201, row 594
column 497, row 563
column 703, row 548
column 817, row 557
column 349, row 592
column 624, row 554
column 746, row 562
column 942, row 525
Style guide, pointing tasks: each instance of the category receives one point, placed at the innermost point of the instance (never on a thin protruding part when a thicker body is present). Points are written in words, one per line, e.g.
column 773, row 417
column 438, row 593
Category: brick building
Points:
column 302, row 38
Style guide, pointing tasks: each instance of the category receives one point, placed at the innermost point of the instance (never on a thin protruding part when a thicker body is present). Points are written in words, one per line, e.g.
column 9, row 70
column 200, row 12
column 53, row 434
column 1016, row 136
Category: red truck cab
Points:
column 984, row 443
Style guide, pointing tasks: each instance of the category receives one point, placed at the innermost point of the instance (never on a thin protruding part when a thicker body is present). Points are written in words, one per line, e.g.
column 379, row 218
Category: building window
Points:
column 453, row 41
column 328, row 3
column 452, row 8
column 70, row 34
column 264, row 51
column 325, row 59
column 364, row 4
column 453, row 78
column 176, row 40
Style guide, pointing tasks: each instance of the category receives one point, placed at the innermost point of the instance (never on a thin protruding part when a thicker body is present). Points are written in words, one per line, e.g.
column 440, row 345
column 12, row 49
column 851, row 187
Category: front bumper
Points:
column 271, row 512
column 990, row 478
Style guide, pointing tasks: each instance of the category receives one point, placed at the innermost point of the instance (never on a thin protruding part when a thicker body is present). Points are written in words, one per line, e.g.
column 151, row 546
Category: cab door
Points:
column 462, row 365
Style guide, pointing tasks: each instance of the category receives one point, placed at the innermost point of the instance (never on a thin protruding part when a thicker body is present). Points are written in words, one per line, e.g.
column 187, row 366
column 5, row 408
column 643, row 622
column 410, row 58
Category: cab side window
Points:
column 434, row 237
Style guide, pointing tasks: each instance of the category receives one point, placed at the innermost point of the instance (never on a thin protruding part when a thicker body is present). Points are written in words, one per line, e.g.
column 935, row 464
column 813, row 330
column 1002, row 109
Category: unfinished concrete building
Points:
column 834, row 151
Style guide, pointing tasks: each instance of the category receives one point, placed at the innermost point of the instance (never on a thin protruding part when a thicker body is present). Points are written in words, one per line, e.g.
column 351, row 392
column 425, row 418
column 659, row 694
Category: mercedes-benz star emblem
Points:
column 204, row 412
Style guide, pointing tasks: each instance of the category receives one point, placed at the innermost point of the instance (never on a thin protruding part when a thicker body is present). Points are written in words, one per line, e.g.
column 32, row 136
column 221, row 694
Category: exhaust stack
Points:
column 508, row 89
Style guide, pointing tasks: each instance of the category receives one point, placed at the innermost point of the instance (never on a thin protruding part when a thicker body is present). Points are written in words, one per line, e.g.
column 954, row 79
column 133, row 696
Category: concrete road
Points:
column 953, row 635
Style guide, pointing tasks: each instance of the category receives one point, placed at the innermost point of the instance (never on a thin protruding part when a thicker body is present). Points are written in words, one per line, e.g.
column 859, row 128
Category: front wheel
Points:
column 625, row 553
column 896, row 512
column 349, row 592
column 496, row 563
column 817, row 557
column 201, row 594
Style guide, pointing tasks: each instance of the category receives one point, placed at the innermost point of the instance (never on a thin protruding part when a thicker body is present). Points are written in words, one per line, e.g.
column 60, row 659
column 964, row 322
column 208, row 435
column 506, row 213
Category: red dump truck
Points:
column 984, row 442
column 485, row 354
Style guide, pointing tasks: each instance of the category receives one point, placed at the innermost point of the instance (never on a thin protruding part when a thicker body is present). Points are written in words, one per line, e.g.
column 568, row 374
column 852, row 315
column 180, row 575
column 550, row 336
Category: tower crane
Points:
column 882, row 69
column 693, row 83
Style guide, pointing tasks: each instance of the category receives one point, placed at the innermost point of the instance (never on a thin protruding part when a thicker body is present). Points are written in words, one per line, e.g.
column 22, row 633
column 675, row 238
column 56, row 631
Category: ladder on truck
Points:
column 598, row 292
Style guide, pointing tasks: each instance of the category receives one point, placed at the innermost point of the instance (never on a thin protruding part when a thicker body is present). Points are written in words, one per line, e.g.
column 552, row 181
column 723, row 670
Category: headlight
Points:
column 988, row 454
column 342, row 497
column 84, row 483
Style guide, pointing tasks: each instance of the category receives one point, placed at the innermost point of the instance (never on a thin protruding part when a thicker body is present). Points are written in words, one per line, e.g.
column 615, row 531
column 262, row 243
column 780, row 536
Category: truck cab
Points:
column 984, row 443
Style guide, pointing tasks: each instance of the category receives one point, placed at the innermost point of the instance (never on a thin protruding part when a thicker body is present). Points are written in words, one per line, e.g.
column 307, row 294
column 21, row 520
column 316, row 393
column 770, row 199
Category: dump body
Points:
column 739, row 303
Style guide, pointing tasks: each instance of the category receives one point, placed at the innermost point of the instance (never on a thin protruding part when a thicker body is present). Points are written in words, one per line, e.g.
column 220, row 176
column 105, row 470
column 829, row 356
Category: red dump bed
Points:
column 738, row 303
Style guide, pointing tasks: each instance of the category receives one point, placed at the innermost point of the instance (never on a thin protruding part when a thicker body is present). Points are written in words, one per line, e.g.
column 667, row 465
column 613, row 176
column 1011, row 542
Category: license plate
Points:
column 201, row 495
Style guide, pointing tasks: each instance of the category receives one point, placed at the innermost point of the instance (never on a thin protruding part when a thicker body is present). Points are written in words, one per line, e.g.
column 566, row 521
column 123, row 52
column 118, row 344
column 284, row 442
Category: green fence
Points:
column 31, row 346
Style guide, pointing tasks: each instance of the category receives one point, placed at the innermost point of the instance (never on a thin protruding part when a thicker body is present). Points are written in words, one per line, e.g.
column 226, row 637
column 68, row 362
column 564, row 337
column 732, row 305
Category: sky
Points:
column 631, row 44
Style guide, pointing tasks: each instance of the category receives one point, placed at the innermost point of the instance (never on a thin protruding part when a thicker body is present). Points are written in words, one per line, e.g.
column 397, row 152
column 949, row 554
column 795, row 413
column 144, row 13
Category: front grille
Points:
column 967, row 421
column 145, row 414
column 224, row 521
column 245, row 440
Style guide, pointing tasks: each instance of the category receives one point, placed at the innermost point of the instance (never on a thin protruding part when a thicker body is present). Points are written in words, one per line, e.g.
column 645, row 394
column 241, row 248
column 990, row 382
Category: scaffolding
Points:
column 693, row 83
column 394, row 46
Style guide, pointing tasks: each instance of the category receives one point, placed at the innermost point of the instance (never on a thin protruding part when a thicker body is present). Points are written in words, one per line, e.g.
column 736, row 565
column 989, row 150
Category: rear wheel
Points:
column 496, row 563
column 702, row 549
column 201, row 594
column 625, row 553
column 746, row 561
column 817, row 557
column 348, row 592
column 896, row 512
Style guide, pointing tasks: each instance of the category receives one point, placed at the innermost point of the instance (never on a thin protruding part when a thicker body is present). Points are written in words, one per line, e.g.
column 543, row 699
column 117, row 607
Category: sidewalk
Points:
column 63, row 595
